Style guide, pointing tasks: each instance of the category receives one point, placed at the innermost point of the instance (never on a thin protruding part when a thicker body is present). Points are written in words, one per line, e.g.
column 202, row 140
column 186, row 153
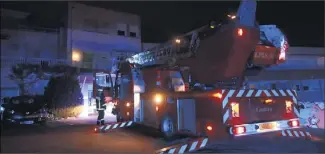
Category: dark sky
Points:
column 303, row 22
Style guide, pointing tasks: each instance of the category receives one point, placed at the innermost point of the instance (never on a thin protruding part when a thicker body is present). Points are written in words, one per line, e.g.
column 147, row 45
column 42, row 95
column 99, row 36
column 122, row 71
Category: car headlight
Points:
column 12, row 111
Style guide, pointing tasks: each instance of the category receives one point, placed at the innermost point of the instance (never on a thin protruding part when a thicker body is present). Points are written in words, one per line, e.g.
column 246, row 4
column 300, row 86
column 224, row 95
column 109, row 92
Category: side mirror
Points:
column 301, row 106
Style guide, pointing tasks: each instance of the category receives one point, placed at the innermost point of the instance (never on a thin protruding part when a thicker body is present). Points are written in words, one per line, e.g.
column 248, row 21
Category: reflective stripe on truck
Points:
column 226, row 94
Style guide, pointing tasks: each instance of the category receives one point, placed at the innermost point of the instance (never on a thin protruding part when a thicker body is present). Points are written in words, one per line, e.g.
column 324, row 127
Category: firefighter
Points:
column 105, row 97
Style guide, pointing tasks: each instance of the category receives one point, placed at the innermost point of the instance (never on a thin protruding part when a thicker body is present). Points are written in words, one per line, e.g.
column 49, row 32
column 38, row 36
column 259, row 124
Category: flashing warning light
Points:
column 294, row 123
column 157, row 108
column 218, row 95
column 288, row 106
column 209, row 128
column 239, row 130
column 158, row 98
column 231, row 16
column 240, row 32
column 127, row 104
column 177, row 41
column 234, row 109
column 95, row 129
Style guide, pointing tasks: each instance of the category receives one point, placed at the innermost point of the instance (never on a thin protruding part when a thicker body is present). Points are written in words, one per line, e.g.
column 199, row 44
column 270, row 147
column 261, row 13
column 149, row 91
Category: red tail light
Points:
column 294, row 123
column 239, row 130
column 209, row 128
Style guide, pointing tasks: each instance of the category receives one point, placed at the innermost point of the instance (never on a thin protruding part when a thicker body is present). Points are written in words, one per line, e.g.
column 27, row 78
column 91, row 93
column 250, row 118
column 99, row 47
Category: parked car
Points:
column 25, row 110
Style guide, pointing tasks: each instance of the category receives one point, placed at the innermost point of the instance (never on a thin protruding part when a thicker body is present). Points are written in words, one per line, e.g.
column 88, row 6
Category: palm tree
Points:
column 25, row 75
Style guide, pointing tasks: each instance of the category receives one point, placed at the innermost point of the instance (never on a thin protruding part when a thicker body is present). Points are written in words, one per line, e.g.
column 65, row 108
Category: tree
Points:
column 25, row 75
column 63, row 93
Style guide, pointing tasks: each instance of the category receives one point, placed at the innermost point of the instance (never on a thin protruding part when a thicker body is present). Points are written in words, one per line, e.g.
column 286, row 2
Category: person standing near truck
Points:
column 101, row 102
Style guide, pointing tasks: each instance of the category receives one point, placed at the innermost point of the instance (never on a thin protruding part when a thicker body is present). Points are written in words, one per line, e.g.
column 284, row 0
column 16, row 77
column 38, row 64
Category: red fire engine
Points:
column 195, row 82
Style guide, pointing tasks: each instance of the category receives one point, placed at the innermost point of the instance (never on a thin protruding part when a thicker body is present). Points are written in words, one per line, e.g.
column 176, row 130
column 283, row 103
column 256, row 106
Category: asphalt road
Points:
column 269, row 144
column 64, row 137
column 59, row 138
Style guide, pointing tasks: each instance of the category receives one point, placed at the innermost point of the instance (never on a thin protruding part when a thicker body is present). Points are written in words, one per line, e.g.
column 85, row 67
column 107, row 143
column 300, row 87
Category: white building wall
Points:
column 25, row 45
column 30, row 44
column 95, row 31
column 303, row 71
column 302, row 58
column 147, row 46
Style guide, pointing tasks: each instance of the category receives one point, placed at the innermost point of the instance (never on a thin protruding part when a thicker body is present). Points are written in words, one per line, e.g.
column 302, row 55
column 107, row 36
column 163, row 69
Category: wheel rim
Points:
column 167, row 125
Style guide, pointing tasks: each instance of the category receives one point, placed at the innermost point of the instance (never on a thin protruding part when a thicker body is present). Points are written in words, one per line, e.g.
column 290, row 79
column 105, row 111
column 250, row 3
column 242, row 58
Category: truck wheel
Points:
column 167, row 127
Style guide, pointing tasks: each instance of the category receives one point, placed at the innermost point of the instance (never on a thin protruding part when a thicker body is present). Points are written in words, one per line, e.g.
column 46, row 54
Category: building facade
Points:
column 25, row 44
column 92, row 38
column 303, row 71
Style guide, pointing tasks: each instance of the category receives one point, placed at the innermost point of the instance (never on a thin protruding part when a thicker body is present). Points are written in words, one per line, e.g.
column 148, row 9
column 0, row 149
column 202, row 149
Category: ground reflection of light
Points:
column 84, row 112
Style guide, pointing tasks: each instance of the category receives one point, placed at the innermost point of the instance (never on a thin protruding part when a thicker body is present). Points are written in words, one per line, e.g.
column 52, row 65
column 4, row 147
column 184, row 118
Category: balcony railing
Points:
column 11, row 61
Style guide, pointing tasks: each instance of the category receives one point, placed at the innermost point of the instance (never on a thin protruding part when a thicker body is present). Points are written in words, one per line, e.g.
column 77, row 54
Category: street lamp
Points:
column 76, row 56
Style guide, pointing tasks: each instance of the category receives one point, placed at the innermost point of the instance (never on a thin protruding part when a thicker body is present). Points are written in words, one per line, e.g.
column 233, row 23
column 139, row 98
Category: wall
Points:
column 30, row 44
column 304, row 68
column 95, row 31
column 302, row 58
column 314, row 91
column 147, row 46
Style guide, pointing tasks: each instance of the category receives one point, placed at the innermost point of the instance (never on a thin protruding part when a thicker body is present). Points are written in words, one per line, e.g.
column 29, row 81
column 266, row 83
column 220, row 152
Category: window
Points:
column 87, row 60
column 297, row 87
column 305, row 88
column 273, row 86
column 121, row 32
column 133, row 34
column 4, row 37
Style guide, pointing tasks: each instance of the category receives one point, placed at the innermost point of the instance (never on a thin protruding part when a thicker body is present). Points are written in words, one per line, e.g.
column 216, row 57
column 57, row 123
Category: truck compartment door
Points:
column 186, row 115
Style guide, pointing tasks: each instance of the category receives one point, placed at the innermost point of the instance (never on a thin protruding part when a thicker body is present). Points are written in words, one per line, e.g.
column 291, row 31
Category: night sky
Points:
column 303, row 22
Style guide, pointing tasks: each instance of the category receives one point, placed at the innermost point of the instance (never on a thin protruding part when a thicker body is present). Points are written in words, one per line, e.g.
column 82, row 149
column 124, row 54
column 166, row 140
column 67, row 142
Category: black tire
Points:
column 167, row 127
column 43, row 122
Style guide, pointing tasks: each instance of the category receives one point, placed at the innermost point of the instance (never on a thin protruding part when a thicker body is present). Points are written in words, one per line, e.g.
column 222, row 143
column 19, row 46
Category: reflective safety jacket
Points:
column 100, row 102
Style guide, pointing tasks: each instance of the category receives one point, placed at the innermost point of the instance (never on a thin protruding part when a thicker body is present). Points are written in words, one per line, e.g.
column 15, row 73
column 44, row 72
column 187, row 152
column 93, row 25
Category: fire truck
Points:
column 195, row 82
